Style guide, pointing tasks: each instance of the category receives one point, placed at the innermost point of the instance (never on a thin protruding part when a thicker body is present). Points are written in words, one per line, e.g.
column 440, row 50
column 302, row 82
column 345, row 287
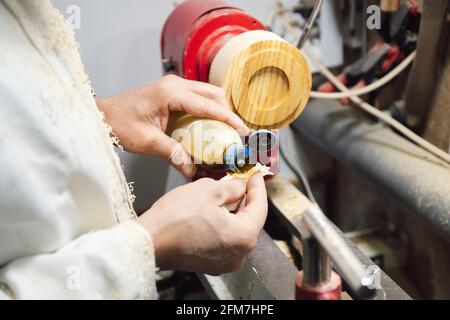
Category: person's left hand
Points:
column 139, row 117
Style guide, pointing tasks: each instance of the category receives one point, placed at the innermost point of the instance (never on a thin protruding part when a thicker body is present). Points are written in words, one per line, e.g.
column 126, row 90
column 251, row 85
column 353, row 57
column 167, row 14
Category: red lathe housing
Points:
column 194, row 33
column 191, row 38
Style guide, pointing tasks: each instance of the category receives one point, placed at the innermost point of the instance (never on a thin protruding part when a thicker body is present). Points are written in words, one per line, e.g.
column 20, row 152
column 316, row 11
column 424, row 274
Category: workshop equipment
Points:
column 322, row 244
column 267, row 81
column 368, row 176
column 269, row 274
column 427, row 68
column 309, row 23
column 358, row 142
column 398, row 39
column 216, row 146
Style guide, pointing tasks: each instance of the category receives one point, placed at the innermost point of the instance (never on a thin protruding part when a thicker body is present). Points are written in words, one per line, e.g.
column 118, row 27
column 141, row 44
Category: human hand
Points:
column 192, row 230
column 139, row 117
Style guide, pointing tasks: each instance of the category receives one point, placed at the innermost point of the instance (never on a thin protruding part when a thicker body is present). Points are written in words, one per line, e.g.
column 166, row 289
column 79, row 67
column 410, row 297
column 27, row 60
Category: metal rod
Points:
column 309, row 24
column 350, row 267
column 289, row 205
column 316, row 263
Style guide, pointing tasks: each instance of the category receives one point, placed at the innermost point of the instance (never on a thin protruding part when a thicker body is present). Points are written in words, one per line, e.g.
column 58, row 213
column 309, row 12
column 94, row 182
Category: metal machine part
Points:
column 262, row 140
column 325, row 39
column 307, row 222
column 206, row 28
column 329, row 290
column 297, row 214
column 193, row 35
column 346, row 261
column 389, row 249
column 241, row 158
column 265, row 146
column 237, row 158
column 269, row 274
column 316, row 262
column 407, row 173
column 309, row 23
column 196, row 31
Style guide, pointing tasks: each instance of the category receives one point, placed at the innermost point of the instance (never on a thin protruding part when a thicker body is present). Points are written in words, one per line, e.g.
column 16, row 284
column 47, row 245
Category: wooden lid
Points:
column 266, row 79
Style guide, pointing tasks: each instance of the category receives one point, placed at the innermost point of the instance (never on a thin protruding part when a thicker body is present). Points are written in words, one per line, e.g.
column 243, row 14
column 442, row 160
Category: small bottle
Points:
column 209, row 142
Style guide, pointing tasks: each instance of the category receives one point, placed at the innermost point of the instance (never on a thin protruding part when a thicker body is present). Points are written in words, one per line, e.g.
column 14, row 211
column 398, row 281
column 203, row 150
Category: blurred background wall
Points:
column 120, row 49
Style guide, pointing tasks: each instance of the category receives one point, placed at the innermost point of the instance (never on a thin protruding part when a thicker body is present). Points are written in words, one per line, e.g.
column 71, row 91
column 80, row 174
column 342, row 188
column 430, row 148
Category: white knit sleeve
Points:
column 62, row 188
column 116, row 263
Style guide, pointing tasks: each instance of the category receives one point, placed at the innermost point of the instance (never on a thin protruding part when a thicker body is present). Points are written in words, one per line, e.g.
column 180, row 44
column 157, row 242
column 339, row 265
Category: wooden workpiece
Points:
column 267, row 80
column 205, row 140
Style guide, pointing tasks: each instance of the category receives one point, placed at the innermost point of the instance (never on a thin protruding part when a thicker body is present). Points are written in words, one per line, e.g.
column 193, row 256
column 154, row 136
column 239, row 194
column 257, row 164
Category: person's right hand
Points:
column 139, row 118
column 192, row 230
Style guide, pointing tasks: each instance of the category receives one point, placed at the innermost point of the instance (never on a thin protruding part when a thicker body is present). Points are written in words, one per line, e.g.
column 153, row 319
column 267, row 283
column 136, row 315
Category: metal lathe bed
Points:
column 409, row 176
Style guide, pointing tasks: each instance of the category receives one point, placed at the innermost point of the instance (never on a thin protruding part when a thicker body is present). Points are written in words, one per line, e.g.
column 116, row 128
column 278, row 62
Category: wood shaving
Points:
column 259, row 168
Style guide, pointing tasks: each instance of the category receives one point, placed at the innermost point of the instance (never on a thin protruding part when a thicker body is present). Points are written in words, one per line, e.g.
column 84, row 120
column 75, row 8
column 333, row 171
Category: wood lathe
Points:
column 383, row 188
column 267, row 82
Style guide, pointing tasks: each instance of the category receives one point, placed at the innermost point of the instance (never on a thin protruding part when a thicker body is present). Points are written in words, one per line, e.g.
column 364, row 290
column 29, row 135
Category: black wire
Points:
column 300, row 174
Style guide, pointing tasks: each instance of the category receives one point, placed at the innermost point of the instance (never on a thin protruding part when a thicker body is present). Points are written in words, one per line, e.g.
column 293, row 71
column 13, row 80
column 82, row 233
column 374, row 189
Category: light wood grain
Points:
column 267, row 80
column 204, row 140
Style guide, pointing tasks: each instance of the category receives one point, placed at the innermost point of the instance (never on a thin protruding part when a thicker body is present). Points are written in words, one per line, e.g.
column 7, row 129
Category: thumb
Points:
column 230, row 192
column 174, row 152
column 255, row 211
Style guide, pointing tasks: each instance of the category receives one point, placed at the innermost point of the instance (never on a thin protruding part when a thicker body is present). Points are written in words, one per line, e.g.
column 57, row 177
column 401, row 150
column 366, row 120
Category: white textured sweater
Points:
column 66, row 220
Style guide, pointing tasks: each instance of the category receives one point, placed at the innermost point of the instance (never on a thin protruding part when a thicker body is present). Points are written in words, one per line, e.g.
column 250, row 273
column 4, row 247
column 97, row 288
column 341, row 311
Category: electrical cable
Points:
column 353, row 95
column 406, row 132
column 299, row 174
column 367, row 89
column 350, row 93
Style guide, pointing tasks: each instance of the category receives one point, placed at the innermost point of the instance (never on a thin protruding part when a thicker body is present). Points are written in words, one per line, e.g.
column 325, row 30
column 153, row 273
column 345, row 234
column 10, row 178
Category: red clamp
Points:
column 330, row 290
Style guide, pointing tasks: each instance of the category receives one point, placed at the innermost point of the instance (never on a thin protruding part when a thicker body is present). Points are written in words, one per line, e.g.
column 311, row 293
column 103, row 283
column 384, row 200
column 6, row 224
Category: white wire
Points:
column 350, row 93
column 379, row 114
column 367, row 89
column 367, row 107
